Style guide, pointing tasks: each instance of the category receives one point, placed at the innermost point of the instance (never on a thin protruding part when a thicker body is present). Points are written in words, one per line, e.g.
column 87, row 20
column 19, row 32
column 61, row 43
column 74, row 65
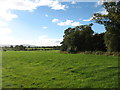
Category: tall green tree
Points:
column 111, row 21
column 77, row 39
column 98, row 42
column 19, row 48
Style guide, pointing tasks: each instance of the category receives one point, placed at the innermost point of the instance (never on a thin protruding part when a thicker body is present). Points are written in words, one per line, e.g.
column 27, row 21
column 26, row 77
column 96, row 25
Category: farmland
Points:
column 52, row 69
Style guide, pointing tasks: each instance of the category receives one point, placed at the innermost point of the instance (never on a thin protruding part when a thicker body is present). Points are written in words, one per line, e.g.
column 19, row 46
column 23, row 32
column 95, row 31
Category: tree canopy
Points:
column 82, row 38
column 111, row 21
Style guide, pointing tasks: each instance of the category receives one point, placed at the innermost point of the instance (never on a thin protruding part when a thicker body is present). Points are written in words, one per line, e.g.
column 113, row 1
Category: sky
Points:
column 42, row 22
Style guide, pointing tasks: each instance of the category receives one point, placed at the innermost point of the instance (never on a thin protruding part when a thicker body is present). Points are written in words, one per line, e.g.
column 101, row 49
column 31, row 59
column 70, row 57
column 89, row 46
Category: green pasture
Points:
column 39, row 48
column 52, row 69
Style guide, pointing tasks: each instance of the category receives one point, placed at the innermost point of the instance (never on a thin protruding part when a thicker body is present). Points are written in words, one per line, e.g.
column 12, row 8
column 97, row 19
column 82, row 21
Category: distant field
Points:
column 51, row 69
column 39, row 49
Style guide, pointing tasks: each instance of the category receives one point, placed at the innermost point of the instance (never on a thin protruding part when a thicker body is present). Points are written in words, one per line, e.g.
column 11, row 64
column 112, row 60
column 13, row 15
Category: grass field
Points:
column 51, row 69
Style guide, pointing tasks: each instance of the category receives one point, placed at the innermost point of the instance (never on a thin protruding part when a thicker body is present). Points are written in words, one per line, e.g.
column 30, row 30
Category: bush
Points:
column 72, row 50
column 4, row 50
column 113, row 53
column 99, row 52
column 88, row 52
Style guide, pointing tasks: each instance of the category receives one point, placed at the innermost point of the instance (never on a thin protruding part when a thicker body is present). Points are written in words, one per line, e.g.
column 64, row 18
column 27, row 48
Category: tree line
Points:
column 83, row 38
column 29, row 48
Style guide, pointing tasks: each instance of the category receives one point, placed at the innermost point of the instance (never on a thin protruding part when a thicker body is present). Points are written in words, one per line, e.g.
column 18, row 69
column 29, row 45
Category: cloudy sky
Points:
column 42, row 22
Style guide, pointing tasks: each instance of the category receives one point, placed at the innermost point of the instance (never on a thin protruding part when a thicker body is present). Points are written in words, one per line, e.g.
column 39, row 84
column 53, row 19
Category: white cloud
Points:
column 6, row 40
column 44, row 27
column 2, row 24
column 5, row 31
column 45, row 41
column 75, row 24
column 100, row 2
column 78, row 0
column 46, row 15
column 8, row 16
column 87, row 20
column 68, row 23
column 53, row 4
column 42, row 37
column 73, row 2
column 7, row 5
column 55, row 20
column 5, row 35
column 57, row 6
column 103, row 11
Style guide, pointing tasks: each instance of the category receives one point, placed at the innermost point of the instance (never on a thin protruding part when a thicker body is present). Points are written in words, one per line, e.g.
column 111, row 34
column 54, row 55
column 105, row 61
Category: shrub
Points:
column 113, row 53
column 99, row 52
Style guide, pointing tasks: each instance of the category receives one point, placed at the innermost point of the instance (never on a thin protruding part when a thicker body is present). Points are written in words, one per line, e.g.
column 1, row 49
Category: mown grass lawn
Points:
column 51, row 69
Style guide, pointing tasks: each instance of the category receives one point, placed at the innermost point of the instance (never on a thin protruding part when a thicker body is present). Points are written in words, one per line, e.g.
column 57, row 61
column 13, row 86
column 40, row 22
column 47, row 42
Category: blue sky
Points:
column 44, row 25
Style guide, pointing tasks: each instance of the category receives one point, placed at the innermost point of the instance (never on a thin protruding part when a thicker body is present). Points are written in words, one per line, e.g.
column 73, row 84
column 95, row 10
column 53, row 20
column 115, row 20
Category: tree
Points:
column 19, row 48
column 98, row 42
column 86, row 37
column 111, row 21
column 11, row 46
column 77, row 39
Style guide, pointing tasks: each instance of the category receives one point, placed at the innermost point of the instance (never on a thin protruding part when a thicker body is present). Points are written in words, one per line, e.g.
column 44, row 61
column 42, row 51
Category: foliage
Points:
column 111, row 21
column 19, row 48
column 82, row 38
column 29, row 48
column 98, row 42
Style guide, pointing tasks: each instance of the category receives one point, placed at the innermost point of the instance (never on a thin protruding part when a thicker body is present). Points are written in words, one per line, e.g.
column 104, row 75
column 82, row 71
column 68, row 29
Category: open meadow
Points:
column 52, row 69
